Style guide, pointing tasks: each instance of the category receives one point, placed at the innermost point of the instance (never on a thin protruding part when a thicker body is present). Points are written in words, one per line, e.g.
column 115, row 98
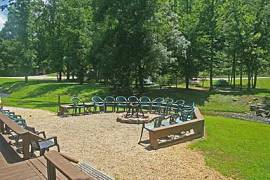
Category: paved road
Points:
column 46, row 77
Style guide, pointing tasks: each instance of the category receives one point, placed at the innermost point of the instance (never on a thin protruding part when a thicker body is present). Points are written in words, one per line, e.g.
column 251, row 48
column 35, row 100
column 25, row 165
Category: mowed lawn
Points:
column 239, row 149
column 44, row 94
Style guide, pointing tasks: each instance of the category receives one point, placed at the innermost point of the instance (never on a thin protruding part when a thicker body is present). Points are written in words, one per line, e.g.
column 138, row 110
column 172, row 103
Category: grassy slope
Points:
column 44, row 94
column 237, row 148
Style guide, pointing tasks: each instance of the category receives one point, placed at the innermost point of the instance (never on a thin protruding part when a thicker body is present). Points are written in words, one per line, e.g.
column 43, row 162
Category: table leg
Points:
column 143, row 126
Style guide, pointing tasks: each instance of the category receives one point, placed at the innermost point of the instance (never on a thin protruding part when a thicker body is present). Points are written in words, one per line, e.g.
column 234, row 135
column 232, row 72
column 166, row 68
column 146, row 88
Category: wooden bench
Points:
column 26, row 136
column 56, row 161
column 190, row 130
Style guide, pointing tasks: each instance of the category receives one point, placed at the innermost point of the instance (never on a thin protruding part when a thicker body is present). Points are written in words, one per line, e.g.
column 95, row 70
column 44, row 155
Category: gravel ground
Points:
column 112, row 147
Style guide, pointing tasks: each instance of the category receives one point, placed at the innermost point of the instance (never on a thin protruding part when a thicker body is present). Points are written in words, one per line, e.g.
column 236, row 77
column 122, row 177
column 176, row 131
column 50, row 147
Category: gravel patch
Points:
column 113, row 148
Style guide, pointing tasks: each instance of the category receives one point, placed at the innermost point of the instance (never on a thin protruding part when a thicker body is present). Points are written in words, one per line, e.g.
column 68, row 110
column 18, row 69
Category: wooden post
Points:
column 1, row 103
column 26, row 143
column 153, row 140
column 2, row 129
column 51, row 171
column 59, row 103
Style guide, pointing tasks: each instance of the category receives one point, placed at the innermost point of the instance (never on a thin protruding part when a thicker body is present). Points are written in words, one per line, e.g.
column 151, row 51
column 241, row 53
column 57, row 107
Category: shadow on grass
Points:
column 200, row 96
column 238, row 92
column 190, row 95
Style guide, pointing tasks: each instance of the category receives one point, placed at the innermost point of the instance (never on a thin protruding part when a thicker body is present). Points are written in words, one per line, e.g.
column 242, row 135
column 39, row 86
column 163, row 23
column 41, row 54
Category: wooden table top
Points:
column 12, row 125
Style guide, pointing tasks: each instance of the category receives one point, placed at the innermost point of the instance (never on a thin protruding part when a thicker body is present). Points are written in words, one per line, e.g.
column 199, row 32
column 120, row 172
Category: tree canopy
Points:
column 122, row 43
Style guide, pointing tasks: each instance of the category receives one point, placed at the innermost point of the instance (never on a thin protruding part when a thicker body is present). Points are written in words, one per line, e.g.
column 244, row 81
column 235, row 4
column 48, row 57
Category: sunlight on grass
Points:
column 237, row 148
column 43, row 95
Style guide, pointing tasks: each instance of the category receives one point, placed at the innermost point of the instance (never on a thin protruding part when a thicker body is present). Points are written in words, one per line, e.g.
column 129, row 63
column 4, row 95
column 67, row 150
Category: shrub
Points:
column 221, row 83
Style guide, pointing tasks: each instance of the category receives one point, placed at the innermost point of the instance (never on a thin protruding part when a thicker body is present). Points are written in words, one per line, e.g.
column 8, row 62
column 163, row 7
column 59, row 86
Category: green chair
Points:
column 166, row 105
column 121, row 102
column 187, row 112
column 156, row 104
column 146, row 103
column 133, row 99
column 109, row 102
column 77, row 105
column 98, row 103
column 178, row 105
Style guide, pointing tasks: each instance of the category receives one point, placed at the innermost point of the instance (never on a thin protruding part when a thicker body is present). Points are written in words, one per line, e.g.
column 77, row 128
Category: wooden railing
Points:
column 62, row 163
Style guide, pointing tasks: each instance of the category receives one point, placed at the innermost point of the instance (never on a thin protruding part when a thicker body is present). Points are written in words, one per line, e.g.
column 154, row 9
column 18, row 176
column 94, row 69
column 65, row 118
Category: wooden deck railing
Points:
column 62, row 163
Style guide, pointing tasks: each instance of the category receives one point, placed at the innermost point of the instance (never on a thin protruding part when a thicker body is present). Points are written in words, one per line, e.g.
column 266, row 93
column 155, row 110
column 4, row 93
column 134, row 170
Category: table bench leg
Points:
column 153, row 140
column 143, row 125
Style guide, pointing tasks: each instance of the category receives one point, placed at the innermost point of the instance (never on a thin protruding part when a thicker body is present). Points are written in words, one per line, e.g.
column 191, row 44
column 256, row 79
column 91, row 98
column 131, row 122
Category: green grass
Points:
column 44, row 94
column 239, row 149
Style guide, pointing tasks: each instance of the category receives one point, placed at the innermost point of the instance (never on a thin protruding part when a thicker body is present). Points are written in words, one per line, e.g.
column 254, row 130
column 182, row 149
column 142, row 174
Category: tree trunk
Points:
column 249, row 76
column 73, row 76
column 234, row 68
column 211, row 77
column 255, row 79
column 68, row 72
column 141, row 78
column 211, row 60
column 241, row 75
column 81, row 75
column 59, row 77
column 187, row 82
column 26, row 78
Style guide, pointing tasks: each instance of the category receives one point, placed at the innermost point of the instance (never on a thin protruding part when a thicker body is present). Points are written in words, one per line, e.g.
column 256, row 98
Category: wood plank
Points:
column 3, row 162
column 59, row 175
column 12, row 125
column 38, row 167
column 64, row 166
column 35, row 178
column 18, row 172
column 21, row 170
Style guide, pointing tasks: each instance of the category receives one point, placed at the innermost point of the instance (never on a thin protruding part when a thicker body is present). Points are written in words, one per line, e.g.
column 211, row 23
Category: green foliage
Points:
column 238, row 149
column 121, row 43
column 221, row 83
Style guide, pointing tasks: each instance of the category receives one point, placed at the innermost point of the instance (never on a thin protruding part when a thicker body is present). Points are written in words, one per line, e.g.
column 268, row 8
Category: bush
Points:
column 221, row 83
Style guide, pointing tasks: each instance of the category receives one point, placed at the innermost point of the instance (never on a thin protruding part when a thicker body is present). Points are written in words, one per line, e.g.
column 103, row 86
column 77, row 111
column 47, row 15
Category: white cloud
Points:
column 3, row 19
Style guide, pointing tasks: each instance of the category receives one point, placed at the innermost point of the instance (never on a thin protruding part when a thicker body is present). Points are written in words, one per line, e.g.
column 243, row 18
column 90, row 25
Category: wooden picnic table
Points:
column 26, row 136
column 11, row 124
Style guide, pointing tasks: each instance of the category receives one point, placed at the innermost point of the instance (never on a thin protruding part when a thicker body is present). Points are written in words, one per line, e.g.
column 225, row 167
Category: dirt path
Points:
column 112, row 147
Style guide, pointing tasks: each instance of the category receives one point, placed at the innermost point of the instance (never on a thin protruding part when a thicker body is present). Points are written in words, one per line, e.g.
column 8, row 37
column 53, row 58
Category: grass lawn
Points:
column 44, row 94
column 239, row 149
